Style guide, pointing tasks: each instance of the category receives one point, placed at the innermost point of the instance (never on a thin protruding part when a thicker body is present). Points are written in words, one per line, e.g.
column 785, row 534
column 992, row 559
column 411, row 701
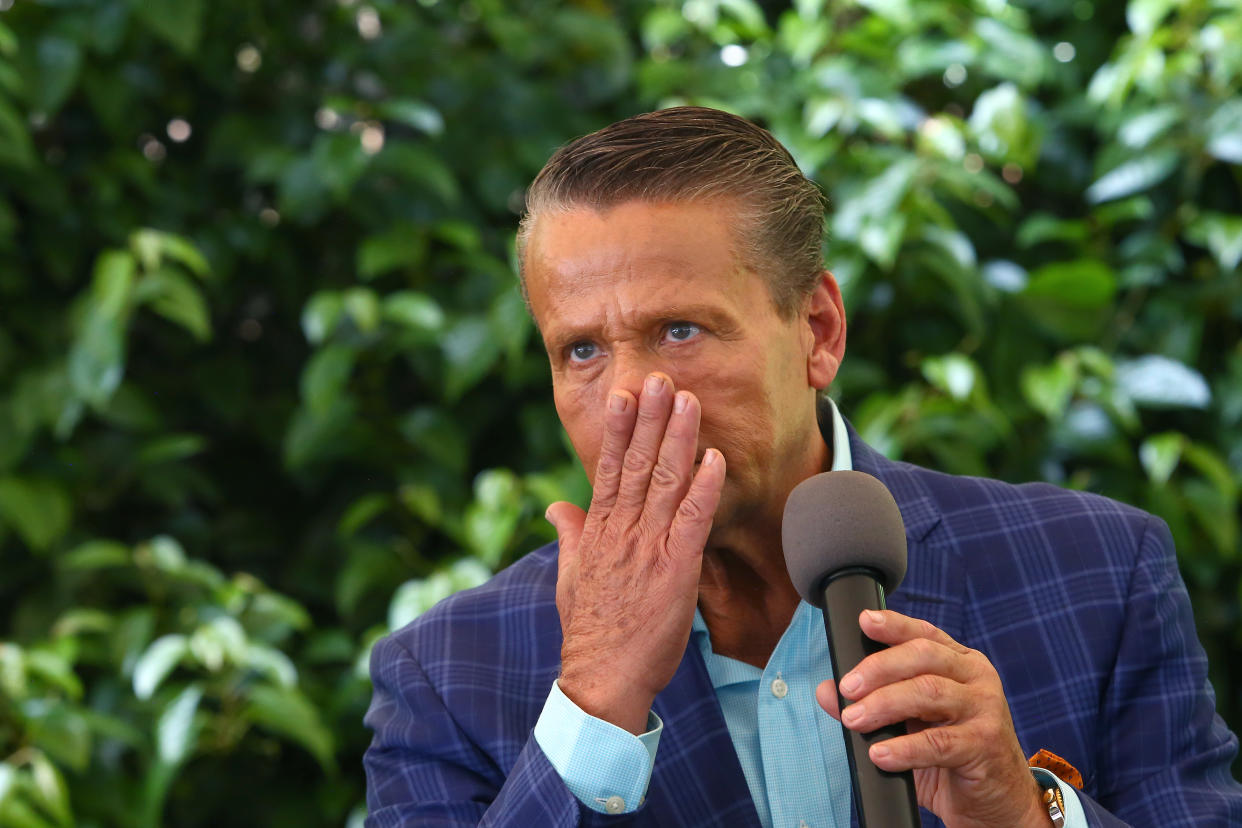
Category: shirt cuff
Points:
column 1075, row 816
column 605, row 767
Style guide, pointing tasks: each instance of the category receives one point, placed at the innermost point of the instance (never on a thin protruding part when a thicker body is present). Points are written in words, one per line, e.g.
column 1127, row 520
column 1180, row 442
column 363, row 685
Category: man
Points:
column 656, row 667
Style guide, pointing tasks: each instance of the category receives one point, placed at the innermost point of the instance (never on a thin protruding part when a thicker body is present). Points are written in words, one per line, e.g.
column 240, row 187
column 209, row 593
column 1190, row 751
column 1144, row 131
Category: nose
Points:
column 630, row 369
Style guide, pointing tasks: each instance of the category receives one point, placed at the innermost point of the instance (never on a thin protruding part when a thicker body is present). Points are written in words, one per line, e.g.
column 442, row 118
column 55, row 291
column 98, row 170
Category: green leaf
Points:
column 438, row 435
column 272, row 663
column 415, row 114
column 286, row 712
column 177, row 299
column 219, row 642
column 177, row 21
column 61, row 732
column 1134, row 176
column 170, row 448
column 16, row 148
column 1160, row 455
column 403, row 245
column 1085, row 283
column 413, row 311
column 95, row 554
column 12, row 670
column 320, row 317
column 361, row 512
column 1041, row 227
column 1224, row 130
column 38, row 508
column 1156, row 381
column 154, row 246
column 51, row 72
column 1139, row 131
column 1000, row 126
column 159, row 659
column 954, row 374
column 362, row 306
column 97, row 359
column 1048, row 388
column 175, row 733
column 325, row 377
column 1221, row 234
column 53, row 792
column 415, row 597
column 471, row 349
column 1143, row 16
column 55, row 671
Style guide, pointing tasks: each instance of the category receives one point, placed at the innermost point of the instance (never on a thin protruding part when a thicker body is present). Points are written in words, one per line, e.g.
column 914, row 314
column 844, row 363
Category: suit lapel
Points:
column 930, row 589
column 697, row 780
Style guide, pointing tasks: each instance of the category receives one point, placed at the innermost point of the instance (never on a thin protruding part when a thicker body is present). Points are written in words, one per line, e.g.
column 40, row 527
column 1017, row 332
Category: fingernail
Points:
column 679, row 402
column 852, row 713
column 851, row 683
column 880, row 751
column 875, row 616
column 710, row 456
column 547, row 515
column 654, row 384
column 616, row 403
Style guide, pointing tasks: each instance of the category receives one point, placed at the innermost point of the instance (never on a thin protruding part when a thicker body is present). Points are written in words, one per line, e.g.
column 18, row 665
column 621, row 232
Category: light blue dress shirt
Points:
column 792, row 753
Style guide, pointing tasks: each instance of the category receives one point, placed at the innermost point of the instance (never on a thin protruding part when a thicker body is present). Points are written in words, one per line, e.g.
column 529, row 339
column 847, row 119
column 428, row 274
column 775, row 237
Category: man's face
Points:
column 645, row 287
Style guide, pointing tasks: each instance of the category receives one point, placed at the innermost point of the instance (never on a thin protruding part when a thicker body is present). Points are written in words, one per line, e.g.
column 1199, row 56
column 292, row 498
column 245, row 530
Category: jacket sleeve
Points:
column 1164, row 754
column 422, row 769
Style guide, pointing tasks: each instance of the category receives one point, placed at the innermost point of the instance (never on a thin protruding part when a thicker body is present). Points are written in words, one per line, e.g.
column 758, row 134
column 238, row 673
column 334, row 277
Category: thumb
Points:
column 567, row 519
column 826, row 695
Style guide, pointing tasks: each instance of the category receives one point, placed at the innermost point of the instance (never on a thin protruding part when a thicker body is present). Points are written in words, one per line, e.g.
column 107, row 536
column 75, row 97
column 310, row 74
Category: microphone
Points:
column 845, row 546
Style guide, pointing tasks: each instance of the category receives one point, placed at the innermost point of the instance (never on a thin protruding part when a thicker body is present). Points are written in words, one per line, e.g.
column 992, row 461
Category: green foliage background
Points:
column 267, row 389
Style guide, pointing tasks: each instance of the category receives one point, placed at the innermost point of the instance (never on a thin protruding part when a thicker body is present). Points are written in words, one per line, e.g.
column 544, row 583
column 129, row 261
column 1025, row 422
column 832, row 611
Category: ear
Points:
column 825, row 316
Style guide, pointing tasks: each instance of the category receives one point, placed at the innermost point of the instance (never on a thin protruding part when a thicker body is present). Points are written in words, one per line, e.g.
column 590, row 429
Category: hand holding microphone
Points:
column 913, row 698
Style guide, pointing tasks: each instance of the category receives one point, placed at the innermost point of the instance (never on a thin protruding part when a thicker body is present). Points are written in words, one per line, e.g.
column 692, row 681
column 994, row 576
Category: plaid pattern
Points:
column 1076, row 599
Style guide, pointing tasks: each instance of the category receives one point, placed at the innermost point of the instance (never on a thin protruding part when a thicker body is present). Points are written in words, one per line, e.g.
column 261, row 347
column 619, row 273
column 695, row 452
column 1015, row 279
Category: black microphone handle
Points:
column 883, row 799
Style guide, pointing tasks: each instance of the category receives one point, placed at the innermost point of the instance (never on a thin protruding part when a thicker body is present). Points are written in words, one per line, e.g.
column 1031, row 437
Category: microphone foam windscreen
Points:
column 841, row 519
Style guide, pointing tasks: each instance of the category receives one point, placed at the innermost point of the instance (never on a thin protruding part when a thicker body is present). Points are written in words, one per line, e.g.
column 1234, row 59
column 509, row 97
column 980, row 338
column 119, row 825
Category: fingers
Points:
column 654, row 406
column 671, row 475
column 950, row 746
column 693, row 520
column 927, row 698
column 900, row 662
column 890, row 627
column 619, row 420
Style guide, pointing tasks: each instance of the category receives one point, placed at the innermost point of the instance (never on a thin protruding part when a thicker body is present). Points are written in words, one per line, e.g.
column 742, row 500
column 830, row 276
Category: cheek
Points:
column 583, row 422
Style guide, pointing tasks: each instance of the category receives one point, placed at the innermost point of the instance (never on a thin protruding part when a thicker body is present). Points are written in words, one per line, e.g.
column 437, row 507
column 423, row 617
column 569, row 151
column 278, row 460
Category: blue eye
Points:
column 582, row 351
column 682, row 331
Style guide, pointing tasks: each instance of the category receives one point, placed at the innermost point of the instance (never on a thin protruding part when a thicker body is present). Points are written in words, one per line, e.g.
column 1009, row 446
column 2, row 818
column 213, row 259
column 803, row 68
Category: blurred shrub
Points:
column 259, row 326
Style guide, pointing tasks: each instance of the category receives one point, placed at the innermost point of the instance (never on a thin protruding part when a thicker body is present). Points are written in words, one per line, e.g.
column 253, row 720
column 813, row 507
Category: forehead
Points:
column 665, row 246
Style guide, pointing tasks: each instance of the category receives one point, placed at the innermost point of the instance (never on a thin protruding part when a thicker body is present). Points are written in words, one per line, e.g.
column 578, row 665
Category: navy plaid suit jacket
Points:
column 1074, row 598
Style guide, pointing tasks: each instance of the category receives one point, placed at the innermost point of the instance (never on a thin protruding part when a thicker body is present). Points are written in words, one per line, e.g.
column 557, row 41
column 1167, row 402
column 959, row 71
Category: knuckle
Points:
column 929, row 687
column 690, row 510
column 636, row 461
column 663, row 477
column 941, row 740
column 607, row 465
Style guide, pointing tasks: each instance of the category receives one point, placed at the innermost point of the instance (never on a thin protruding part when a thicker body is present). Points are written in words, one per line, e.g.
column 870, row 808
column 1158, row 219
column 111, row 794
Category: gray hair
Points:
column 690, row 153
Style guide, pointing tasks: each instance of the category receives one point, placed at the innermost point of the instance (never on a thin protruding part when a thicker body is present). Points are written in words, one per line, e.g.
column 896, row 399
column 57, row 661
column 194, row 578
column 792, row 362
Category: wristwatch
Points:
column 1050, row 796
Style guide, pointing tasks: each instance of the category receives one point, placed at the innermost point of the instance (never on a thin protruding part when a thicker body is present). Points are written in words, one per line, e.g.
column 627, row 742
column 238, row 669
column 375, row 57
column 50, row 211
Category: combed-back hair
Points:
column 692, row 153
